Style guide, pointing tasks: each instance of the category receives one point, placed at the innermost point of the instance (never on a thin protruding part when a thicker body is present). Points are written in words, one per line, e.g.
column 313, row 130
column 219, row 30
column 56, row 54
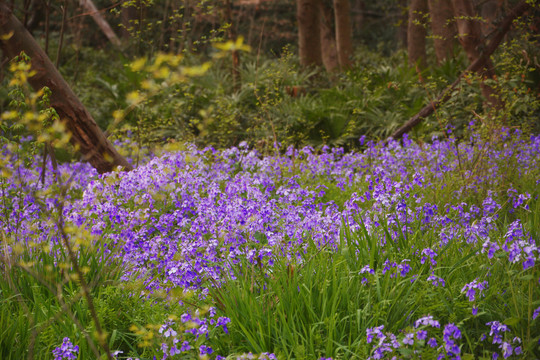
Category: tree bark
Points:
column 342, row 10
column 357, row 11
column 478, row 64
column 89, row 6
column 489, row 11
column 471, row 39
column 401, row 33
column 85, row 133
column 328, row 40
column 128, row 15
column 443, row 28
column 235, row 54
column 416, row 33
column 309, row 34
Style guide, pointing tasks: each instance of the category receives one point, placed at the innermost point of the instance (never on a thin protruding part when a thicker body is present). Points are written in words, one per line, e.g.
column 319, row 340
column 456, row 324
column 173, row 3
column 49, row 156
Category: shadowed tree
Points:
column 443, row 28
column 489, row 12
column 328, row 40
column 309, row 32
column 416, row 32
column 128, row 17
column 401, row 33
column 342, row 11
column 85, row 133
column 471, row 39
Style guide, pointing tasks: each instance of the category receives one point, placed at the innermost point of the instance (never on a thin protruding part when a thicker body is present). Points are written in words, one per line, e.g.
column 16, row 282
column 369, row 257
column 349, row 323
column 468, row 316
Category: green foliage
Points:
column 279, row 102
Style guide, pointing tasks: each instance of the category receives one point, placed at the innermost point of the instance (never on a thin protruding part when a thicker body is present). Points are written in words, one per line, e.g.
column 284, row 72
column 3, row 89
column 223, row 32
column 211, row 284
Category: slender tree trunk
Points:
column 342, row 10
column 357, row 11
column 309, row 34
column 443, row 28
column 86, row 136
column 36, row 14
column 128, row 15
column 416, row 33
column 471, row 39
column 328, row 40
column 235, row 55
column 89, row 6
column 489, row 12
column 401, row 32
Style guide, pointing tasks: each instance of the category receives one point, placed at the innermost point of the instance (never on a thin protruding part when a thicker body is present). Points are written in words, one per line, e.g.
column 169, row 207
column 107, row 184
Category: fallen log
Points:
column 85, row 133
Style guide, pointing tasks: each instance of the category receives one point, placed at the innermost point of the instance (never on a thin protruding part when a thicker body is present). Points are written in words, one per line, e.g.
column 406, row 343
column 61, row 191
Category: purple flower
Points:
column 421, row 334
column 490, row 205
column 166, row 329
column 203, row 349
column 362, row 139
column 427, row 320
column 185, row 346
column 223, row 321
column 427, row 252
column 371, row 332
column 432, row 342
column 367, row 269
column 409, row 339
column 490, row 247
column 507, row 349
column 472, row 287
column 66, row 351
column 536, row 313
column 450, row 333
column 436, row 281
column 528, row 263
column 185, row 317
column 174, row 350
column 496, row 328
column 404, row 268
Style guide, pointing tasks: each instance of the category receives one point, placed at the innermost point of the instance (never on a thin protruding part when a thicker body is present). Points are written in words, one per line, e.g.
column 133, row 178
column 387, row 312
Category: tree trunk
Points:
column 401, row 33
column 357, row 11
column 328, row 40
column 471, row 39
column 309, row 34
column 416, row 33
column 478, row 64
column 89, row 6
column 342, row 10
column 85, row 133
column 489, row 11
column 443, row 28
column 128, row 15
column 235, row 54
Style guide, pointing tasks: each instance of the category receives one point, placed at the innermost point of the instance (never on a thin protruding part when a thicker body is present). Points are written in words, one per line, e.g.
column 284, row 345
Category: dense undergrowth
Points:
column 403, row 250
column 277, row 101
